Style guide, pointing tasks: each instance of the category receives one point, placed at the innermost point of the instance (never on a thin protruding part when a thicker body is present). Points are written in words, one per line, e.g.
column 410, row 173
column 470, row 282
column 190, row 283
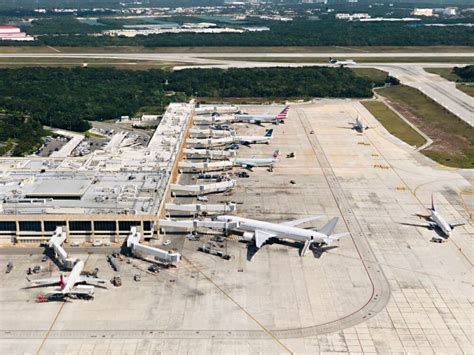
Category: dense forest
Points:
column 19, row 134
column 465, row 73
column 70, row 97
column 300, row 32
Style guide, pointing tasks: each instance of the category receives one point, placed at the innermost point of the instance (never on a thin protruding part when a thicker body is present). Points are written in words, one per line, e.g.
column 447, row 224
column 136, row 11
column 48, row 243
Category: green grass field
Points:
column 446, row 73
column 394, row 124
column 372, row 74
column 468, row 89
column 453, row 139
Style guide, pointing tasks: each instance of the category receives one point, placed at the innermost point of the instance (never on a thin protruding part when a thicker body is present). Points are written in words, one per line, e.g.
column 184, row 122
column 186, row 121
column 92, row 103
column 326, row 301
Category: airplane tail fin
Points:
column 62, row 284
column 269, row 133
column 329, row 227
column 275, row 154
column 282, row 115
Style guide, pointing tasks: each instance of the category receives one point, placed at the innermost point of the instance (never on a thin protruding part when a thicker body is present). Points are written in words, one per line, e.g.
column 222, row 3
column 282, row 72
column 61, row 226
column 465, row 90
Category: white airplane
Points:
column 341, row 63
column 260, row 232
column 74, row 285
column 263, row 118
column 249, row 163
column 247, row 140
column 436, row 221
column 359, row 126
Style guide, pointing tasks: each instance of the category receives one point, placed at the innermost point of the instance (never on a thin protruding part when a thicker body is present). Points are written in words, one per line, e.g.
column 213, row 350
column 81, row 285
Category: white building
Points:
column 351, row 17
column 449, row 11
column 13, row 33
column 423, row 12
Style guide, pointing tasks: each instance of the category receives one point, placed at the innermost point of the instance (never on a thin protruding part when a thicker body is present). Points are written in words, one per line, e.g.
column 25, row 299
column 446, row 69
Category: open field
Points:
column 92, row 62
column 446, row 73
column 394, row 124
column 468, row 89
column 375, row 75
column 453, row 139
column 454, row 59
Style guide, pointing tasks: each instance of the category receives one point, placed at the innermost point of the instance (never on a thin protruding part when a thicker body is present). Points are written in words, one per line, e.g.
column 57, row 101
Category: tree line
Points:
column 70, row 97
column 20, row 134
column 465, row 73
column 300, row 32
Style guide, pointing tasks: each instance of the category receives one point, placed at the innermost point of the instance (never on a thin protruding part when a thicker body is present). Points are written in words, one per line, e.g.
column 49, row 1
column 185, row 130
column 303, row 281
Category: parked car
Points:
column 154, row 268
column 117, row 281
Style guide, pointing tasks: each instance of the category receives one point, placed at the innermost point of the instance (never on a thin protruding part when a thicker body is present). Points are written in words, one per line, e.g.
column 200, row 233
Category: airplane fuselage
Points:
column 442, row 225
column 254, row 161
column 256, row 118
column 252, row 139
column 278, row 230
column 73, row 277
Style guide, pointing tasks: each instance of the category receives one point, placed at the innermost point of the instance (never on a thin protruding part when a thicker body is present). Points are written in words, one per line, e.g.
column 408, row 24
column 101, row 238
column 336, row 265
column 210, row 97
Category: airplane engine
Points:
column 249, row 236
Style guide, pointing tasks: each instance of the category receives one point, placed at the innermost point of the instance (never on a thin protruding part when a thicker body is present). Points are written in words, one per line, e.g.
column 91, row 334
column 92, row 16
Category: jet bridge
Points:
column 209, row 153
column 195, row 224
column 144, row 251
column 214, row 119
column 209, row 143
column 55, row 243
column 202, row 189
column 190, row 166
column 209, row 133
column 197, row 209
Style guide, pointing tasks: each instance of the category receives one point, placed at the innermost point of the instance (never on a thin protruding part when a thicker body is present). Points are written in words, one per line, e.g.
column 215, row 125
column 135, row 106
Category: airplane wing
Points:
column 297, row 222
column 427, row 225
column 93, row 281
column 424, row 216
column 457, row 223
column 52, row 281
column 261, row 237
column 248, row 166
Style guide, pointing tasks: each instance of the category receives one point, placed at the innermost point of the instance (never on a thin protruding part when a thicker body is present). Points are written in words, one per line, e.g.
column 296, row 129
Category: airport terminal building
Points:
column 99, row 196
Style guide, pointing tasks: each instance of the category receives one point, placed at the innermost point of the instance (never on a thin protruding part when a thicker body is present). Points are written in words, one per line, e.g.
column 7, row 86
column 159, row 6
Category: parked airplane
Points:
column 263, row 118
column 260, row 232
column 246, row 140
column 436, row 221
column 250, row 163
column 341, row 63
column 359, row 126
column 74, row 285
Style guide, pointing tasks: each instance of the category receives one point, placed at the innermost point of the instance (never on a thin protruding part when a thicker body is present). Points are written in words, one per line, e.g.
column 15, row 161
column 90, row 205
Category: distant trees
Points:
column 300, row 32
